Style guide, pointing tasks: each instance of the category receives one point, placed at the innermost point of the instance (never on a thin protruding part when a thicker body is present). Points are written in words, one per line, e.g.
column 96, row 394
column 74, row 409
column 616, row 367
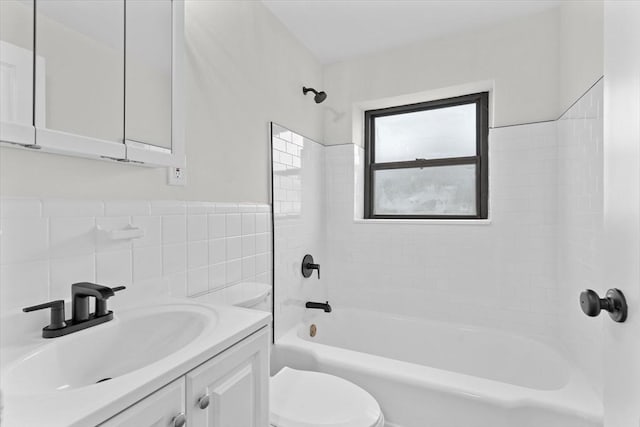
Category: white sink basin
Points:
column 135, row 339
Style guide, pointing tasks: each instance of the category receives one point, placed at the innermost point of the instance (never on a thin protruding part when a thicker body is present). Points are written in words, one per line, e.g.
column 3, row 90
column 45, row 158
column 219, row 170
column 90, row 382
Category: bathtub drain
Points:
column 312, row 330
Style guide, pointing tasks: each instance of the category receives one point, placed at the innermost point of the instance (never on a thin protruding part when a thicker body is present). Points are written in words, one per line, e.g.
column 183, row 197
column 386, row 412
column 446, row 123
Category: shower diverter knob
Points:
column 614, row 302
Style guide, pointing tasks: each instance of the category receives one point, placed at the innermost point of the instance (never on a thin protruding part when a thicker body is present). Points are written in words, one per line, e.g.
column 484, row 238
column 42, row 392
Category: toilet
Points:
column 304, row 398
column 314, row 399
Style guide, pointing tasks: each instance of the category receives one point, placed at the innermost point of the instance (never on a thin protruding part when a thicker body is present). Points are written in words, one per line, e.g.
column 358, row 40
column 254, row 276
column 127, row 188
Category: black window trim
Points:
column 480, row 159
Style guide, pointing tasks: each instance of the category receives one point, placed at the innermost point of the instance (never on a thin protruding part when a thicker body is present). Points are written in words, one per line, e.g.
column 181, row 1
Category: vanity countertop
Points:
column 24, row 404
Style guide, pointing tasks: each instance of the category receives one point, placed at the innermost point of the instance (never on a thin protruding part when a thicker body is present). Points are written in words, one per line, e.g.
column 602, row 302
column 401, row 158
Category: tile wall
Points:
column 580, row 228
column 195, row 247
column 498, row 273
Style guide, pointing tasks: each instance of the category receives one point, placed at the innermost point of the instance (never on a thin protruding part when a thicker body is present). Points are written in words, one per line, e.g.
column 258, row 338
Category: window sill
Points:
column 424, row 221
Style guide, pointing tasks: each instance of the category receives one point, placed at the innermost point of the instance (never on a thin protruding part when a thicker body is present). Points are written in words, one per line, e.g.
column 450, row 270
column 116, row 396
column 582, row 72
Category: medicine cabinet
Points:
column 98, row 79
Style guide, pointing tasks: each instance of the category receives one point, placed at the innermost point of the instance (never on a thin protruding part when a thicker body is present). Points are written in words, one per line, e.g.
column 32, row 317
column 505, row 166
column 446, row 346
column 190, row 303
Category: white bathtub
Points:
column 434, row 374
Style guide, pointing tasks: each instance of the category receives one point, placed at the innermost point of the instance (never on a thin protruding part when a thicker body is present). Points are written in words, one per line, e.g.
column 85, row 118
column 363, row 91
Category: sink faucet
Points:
column 81, row 318
column 80, row 294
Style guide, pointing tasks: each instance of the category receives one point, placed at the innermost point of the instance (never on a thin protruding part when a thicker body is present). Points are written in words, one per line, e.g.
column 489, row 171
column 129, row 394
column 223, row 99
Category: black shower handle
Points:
column 308, row 266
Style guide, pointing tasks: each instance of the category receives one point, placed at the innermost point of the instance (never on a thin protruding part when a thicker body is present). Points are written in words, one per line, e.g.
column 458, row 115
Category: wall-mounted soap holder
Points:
column 128, row 232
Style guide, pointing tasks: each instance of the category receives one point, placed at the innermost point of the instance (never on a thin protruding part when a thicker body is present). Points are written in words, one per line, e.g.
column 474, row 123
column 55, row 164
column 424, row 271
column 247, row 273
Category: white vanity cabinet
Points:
column 163, row 408
column 229, row 390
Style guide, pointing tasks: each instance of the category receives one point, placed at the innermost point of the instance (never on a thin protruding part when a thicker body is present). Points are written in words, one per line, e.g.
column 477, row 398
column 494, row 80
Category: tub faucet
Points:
column 321, row 305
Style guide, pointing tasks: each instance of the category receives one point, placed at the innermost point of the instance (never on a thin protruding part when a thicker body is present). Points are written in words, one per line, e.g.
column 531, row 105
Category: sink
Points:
column 135, row 339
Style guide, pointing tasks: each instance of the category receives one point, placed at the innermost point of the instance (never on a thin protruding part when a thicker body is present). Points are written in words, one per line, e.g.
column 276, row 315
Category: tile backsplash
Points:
column 196, row 247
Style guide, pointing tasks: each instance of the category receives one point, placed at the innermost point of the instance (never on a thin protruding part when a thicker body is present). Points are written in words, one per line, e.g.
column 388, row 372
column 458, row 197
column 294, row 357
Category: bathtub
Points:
column 435, row 374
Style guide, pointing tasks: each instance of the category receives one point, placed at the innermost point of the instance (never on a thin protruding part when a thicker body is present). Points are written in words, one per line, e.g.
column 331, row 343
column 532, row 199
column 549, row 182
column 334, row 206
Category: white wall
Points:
column 581, row 48
column 243, row 70
column 299, row 225
column 521, row 57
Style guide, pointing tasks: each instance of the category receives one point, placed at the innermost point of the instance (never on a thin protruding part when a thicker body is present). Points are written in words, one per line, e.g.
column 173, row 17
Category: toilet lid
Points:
column 311, row 399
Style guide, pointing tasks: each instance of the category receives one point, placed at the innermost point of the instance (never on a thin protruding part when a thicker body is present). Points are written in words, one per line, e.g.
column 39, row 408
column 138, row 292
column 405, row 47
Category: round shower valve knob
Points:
column 614, row 302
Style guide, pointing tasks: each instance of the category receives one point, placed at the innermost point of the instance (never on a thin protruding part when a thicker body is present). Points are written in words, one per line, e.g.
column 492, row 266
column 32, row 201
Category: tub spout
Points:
column 321, row 305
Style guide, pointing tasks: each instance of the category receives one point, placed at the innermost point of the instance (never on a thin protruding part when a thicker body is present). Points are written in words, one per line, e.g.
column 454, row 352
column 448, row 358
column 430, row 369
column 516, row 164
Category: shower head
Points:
column 320, row 96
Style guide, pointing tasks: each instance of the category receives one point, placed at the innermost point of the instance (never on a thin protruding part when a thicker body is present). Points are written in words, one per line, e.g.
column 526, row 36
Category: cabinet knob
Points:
column 180, row 420
column 203, row 402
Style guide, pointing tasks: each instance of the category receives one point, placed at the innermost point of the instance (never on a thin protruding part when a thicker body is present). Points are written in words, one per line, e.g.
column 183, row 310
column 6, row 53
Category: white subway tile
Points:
column 114, row 268
column 217, row 226
column 262, row 243
column 217, row 251
column 72, row 208
column 174, row 258
column 197, row 228
column 234, row 271
column 168, row 207
column 197, row 281
column 66, row 271
column 262, row 263
column 248, row 223
column 200, row 208
column 127, row 208
column 217, row 275
column 23, row 239
column 152, row 226
column 197, row 254
column 234, row 225
column 248, row 267
column 248, row 245
column 246, row 207
column 174, row 229
column 104, row 225
column 147, row 263
column 178, row 284
column 227, row 208
column 24, row 284
column 234, row 248
column 261, row 223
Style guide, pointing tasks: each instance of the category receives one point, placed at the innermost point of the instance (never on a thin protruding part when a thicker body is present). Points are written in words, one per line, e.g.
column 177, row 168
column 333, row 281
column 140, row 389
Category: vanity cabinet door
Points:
column 232, row 389
column 163, row 408
column 16, row 72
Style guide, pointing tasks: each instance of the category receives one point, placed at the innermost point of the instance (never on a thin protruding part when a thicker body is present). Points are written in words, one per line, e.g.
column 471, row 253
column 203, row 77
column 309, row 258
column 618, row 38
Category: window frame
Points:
column 481, row 100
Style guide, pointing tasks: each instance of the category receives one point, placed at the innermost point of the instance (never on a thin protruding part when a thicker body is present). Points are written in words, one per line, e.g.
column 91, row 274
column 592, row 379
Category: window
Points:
column 428, row 160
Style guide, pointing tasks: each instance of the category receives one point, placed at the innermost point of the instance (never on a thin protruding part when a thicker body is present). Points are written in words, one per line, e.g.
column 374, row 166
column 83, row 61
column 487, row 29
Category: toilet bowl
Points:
column 304, row 398
column 314, row 399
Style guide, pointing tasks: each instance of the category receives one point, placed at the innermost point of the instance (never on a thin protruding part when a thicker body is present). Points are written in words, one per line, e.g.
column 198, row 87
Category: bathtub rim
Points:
column 576, row 397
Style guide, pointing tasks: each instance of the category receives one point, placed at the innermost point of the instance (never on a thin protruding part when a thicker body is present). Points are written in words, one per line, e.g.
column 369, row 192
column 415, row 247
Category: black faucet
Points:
column 321, row 305
column 81, row 319
column 308, row 266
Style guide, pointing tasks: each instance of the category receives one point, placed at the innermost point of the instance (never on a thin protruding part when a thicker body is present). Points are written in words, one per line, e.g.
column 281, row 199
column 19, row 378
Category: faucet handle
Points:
column 57, row 313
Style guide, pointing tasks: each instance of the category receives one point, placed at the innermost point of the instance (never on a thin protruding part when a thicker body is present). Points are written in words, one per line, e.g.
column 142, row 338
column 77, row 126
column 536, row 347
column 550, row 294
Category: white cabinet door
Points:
column 163, row 408
column 236, row 385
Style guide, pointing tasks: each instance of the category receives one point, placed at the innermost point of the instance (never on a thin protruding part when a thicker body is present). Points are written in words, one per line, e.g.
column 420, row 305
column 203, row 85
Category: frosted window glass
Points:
column 439, row 190
column 430, row 134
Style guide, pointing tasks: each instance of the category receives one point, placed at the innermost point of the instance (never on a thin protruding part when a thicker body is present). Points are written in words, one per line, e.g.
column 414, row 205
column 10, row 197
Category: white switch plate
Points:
column 177, row 176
